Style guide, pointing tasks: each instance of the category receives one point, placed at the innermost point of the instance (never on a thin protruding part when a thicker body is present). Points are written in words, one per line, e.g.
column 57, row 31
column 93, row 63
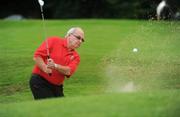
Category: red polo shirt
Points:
column 61, row 55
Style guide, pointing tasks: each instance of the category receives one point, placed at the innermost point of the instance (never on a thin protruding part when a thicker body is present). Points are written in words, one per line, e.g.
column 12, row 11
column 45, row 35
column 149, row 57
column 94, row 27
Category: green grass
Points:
column 106, row 105
column 111, row 79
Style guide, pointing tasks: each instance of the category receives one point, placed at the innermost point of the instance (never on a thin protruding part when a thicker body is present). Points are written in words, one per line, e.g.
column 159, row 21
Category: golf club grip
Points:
column 50, row 74
column 48, row 57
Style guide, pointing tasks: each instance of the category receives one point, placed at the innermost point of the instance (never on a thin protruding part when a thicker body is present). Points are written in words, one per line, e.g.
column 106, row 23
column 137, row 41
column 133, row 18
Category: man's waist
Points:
column 55, row 78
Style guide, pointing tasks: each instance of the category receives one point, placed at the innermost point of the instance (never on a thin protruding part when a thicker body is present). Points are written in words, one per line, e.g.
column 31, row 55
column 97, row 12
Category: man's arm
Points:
column 41, row 64
column 63, row 69
column 60, row 68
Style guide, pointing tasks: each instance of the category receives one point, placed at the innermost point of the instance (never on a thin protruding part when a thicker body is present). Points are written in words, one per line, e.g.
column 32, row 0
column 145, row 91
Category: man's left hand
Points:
column 51, row 64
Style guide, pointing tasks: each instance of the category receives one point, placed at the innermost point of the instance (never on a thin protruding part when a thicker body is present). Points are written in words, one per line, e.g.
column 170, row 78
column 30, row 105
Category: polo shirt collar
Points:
column 65, row 44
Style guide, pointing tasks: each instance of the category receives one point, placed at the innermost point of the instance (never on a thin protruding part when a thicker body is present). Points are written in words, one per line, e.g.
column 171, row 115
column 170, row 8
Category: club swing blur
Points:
column 41, row 3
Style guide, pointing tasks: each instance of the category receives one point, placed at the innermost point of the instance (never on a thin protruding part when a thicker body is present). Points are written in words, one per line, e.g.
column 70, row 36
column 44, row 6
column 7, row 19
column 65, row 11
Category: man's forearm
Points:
column 40, row 63
column 63, row 69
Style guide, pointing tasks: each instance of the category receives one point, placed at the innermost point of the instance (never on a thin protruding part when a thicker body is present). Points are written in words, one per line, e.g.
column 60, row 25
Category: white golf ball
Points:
column 135, row 50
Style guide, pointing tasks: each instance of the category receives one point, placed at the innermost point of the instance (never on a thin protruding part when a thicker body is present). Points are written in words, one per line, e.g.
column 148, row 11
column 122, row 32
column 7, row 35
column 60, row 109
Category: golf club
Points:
column 41, row 3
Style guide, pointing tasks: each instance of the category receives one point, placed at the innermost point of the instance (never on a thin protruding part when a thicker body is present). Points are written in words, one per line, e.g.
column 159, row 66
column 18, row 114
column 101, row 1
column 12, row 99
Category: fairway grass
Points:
column 139, row 104
column 111, row 80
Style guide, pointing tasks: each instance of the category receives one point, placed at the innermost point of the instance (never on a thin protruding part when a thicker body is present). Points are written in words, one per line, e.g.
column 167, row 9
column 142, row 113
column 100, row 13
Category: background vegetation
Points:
column 65, row 9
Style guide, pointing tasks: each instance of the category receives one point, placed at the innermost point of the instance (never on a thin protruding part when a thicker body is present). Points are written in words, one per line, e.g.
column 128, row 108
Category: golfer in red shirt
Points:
column 48, row 74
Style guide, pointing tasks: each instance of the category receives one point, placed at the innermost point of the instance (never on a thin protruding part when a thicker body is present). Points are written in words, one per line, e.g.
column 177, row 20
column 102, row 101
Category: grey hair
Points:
column 70, row 31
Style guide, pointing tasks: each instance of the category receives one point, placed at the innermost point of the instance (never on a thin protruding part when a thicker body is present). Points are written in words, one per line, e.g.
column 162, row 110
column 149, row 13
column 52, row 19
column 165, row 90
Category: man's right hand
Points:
column 47, row 70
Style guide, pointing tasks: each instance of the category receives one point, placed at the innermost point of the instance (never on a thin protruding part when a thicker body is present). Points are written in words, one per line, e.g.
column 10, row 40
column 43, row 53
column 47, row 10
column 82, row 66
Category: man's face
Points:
column 76, row 39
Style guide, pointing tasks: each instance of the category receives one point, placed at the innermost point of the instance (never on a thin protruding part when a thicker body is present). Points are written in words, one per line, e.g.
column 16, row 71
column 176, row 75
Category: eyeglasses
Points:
column 78, row 37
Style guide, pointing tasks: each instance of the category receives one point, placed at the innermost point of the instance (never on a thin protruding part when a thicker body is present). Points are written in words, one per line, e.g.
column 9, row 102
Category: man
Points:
column 48, row 74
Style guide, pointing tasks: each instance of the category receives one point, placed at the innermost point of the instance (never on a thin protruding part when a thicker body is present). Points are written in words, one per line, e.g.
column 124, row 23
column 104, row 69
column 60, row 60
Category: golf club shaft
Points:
column 44, row 29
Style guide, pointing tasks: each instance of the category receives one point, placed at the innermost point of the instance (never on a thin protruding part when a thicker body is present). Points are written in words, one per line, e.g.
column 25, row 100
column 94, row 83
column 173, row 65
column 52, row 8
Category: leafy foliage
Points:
column 142, row 9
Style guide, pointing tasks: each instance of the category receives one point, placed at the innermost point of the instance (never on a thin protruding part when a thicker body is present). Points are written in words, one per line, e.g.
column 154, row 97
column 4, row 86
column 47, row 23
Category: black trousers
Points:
column 41, row 88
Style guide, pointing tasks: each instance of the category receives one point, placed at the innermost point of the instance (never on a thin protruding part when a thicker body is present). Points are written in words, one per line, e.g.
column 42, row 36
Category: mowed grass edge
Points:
column 144, row 104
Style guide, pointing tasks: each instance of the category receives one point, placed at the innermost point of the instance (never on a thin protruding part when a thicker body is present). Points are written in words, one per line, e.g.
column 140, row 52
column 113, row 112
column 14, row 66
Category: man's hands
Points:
column 47, row 70
column 51, row 64
column 62, row 69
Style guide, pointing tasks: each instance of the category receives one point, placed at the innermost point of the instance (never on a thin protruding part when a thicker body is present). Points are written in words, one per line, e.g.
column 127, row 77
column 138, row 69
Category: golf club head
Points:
column 41, row 2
